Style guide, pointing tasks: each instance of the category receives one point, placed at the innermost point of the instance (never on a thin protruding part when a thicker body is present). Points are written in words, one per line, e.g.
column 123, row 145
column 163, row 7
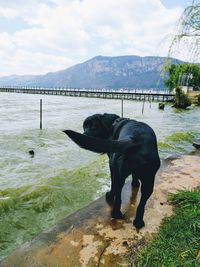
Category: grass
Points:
column 178, row 242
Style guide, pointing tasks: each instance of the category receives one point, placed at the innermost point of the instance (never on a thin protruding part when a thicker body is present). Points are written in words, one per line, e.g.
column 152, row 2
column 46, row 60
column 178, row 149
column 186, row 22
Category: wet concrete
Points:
column 90, row 238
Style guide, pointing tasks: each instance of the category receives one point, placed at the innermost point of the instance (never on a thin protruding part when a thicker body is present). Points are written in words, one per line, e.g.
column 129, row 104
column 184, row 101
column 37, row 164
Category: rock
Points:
column 196, row 144
column 161, row 106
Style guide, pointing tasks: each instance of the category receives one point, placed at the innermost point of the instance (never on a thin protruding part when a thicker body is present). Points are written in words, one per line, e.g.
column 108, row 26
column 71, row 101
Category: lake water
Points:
column 37, row 192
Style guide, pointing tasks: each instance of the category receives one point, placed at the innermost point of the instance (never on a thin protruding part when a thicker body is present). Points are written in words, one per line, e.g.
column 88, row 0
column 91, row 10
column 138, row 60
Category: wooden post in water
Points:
column 40, row 114
column 143, row 105
column 150, row 101
column 122, row 110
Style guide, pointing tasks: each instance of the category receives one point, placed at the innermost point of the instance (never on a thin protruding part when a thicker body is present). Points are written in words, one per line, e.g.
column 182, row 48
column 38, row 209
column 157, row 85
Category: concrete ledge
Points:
column 89, row 237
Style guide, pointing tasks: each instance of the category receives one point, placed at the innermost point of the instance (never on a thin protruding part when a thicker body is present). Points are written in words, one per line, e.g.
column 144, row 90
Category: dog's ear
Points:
column 108, row 119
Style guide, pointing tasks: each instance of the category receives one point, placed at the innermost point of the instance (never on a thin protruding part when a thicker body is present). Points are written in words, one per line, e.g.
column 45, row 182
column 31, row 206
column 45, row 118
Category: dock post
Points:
column 143, row 105
column 122, row 110
column 150, row 99
column 40, row 114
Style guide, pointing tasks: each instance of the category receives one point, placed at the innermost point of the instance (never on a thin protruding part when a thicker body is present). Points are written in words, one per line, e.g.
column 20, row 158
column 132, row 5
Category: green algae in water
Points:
column 182, row 136
column 178, row 142
column 29, row 210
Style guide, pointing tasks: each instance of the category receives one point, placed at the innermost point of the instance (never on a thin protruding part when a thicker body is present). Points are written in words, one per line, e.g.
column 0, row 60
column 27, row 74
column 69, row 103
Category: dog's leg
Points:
column 135, row 181
column 110, row 195
column 120, row 172
column 119, row 183
column 146, row 191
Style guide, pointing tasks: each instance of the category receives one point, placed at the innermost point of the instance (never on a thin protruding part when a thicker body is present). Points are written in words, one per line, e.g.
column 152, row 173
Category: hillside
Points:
column 99, row 72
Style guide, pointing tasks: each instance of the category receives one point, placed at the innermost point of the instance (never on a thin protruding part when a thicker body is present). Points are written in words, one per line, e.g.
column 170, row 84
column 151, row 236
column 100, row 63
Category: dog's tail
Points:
column 99, row 145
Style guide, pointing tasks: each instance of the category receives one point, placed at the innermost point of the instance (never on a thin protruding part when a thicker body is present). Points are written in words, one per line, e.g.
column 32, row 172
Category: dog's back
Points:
column 144, row 151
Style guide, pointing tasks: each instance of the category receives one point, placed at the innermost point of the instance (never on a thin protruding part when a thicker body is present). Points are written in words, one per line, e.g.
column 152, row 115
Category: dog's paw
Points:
column 117, row 215
column 138, row 224
column 109, row 198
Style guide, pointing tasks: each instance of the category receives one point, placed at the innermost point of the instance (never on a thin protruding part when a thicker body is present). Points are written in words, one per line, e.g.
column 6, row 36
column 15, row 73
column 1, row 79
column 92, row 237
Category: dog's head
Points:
column 99, row 125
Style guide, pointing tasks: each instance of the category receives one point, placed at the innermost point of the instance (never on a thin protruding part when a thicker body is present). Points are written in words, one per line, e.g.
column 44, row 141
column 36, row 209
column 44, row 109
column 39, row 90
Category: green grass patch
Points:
column 178, row 241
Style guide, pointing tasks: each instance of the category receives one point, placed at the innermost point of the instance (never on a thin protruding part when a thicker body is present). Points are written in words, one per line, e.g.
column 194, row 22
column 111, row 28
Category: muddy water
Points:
column 62, row 178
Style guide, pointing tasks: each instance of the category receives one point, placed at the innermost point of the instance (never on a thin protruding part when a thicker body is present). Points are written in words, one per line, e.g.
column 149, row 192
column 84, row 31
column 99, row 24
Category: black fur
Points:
column 132, row 149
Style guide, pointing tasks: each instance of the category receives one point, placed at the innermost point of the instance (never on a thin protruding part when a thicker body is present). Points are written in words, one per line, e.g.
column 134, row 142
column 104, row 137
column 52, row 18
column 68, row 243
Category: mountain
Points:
column 100, row 72
column 20, row 80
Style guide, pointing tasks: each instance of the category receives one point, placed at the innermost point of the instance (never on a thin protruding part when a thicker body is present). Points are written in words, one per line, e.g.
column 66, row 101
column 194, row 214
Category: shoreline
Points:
column 89, row 237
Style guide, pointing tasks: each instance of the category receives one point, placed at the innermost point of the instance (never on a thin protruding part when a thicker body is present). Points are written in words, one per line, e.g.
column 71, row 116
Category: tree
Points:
column 181, row 99
column 188, row 33
column 187, row 39
column 183, row 75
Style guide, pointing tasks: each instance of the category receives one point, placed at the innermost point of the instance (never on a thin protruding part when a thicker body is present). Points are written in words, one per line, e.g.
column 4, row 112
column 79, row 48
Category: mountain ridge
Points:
column 100, row 72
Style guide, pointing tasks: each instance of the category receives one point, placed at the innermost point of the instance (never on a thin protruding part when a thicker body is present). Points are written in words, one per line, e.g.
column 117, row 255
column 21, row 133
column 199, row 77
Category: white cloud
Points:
column 63, row 32
column 19, row 61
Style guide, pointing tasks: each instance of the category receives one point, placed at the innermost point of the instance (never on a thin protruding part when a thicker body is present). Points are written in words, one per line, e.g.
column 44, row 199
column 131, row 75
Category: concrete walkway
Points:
column 89, row 238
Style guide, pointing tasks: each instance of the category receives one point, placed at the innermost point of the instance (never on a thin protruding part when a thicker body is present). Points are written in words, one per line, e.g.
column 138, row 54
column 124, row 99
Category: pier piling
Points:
column 122, row 110
column 40, row 114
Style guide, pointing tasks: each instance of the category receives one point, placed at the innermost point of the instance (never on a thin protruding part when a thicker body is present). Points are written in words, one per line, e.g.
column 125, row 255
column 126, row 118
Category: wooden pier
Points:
column 134, row 94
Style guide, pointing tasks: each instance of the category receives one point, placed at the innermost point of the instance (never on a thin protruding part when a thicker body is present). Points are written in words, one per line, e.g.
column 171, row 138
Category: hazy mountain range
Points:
column 100, row 72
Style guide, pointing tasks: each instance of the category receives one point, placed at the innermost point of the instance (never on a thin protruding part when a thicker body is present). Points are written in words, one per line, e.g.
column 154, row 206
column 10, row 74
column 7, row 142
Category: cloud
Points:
column 21, row 59
column 60, row 33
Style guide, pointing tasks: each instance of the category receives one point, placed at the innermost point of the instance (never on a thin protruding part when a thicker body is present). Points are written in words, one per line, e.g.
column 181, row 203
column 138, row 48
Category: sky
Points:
column 40, row 36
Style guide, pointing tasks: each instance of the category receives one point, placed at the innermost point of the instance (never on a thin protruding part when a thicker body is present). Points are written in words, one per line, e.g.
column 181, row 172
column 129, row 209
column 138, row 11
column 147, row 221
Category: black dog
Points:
column 132, row 149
